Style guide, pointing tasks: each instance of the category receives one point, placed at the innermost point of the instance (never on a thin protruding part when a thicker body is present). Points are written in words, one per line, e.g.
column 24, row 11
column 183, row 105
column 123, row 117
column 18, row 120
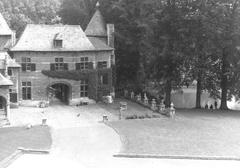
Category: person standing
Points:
column 215, row 104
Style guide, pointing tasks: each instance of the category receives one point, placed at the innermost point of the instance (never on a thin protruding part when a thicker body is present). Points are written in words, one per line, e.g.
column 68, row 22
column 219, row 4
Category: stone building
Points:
column 9, row 72
column 63, row 62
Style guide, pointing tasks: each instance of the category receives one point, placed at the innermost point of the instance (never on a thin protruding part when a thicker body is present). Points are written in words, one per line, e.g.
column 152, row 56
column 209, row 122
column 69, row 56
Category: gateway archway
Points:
column 59, row 92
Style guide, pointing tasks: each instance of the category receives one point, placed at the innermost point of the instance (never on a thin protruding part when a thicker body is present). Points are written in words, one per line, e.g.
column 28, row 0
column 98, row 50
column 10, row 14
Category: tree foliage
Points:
column 18, row 13
column 168, row 42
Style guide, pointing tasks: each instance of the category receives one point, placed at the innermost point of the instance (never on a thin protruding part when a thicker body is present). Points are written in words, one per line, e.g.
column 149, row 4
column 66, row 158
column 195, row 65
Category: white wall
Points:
column 187, row 98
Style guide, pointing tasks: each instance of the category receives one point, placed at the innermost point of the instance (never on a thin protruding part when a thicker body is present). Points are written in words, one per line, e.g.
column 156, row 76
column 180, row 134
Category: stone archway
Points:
column 59, row 92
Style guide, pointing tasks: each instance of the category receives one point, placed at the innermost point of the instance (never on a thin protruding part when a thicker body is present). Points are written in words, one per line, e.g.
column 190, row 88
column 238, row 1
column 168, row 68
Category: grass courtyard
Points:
column 38, row 137
column 133, row 109
column 195, row 133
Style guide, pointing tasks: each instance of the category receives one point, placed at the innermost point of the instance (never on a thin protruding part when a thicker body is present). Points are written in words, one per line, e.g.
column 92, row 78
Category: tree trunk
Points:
column 199, row 91
column 168, row 89
column 224, row 82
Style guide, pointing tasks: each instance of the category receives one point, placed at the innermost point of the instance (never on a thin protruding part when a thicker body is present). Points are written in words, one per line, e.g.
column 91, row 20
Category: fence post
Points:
column 172, row 110
column 161, row 106
column 154, row 104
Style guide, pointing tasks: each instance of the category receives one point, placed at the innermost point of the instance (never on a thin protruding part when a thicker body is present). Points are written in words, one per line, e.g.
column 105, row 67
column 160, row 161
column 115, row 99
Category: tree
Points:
column 226, row 25
column 77, row 12
column 199, row 48
column 169, row 41
column 18, row 13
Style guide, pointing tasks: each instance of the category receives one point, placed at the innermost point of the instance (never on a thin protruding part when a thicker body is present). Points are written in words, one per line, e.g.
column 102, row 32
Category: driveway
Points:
column 85, row 141
column 78, row 133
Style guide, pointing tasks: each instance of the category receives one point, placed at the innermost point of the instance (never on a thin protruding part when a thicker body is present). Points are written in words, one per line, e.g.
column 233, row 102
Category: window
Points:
column 104, row 79
column 26, row 91
column 58, row 43
column 13, row 95
column 10, row 72
column 102, row 64
column 27, row 65
column 59, row 65
column 84, row 64
column 84, row 88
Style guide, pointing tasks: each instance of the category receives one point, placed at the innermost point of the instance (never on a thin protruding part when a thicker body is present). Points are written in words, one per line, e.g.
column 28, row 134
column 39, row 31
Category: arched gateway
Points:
column 59, row 92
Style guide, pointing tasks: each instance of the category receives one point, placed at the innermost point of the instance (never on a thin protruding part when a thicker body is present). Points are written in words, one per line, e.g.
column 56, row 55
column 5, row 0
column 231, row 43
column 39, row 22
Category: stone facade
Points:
column 41, row 47
column 41, row 82
column 8, row 72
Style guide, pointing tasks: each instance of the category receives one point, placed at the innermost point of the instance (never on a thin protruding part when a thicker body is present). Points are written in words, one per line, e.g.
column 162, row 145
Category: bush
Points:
column 131, row 117
column 141, row 117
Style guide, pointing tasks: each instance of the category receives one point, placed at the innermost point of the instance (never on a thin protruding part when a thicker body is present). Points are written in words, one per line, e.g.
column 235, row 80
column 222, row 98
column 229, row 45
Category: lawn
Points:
column 133, row 109
column 199, row 133
column 38, row 137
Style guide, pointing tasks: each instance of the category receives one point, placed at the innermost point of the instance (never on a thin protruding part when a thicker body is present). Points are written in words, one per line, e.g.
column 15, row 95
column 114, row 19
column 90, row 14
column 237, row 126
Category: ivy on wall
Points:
column 71, row 74
column 96, row 90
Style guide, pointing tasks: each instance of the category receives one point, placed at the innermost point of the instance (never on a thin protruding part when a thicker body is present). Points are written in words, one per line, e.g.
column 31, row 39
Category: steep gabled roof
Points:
column 4, row 28
column 11, row 62
column 4, row 81
column 96, row 26
column 37, row 37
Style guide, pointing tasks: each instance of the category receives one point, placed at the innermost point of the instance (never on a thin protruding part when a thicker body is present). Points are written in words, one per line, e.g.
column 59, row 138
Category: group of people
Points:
column 215, row 106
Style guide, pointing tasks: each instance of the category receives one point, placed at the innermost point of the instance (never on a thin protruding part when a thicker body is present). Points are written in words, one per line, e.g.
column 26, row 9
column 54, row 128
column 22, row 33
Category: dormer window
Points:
column 58, row 43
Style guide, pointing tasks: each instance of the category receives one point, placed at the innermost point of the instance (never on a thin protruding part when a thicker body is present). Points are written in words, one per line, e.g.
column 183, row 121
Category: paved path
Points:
column 82, row 139
column 85, row 142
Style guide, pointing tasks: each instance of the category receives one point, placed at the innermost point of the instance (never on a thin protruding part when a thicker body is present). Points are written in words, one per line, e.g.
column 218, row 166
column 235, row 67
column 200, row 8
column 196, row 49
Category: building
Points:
column 63, row 62
column 9, row 72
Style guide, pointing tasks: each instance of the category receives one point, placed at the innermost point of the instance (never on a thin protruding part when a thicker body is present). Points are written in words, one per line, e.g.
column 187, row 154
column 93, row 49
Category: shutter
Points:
column 23, row 67
column 65, row 66
column 33, row 67
column 90, row 65
column 77, row 66
column 52, row 67
column 13, row 97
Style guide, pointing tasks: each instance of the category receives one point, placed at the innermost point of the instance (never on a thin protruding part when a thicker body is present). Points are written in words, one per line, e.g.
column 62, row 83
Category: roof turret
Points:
column 97, row 25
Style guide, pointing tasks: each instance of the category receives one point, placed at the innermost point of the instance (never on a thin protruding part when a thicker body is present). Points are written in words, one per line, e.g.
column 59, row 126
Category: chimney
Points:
column 6, row 66
column 110, row 35
column 13, row 38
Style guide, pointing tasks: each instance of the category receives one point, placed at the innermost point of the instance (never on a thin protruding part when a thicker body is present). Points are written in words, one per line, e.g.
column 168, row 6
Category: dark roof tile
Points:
column 40, row 38
column 96, row 26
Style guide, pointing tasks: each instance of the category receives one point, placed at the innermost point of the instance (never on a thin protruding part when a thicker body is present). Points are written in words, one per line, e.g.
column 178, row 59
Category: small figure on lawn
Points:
column 211, row 107
column 206, row 106
column 215, row 104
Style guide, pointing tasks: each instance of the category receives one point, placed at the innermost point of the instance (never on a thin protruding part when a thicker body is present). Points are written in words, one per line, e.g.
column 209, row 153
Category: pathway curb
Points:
column 10, row 159
column 18, row 153
column 176, row 157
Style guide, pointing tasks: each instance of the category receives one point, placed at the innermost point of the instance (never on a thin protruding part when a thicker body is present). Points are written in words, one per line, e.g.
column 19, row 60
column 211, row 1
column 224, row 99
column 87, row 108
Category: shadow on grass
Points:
column 37, row 138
